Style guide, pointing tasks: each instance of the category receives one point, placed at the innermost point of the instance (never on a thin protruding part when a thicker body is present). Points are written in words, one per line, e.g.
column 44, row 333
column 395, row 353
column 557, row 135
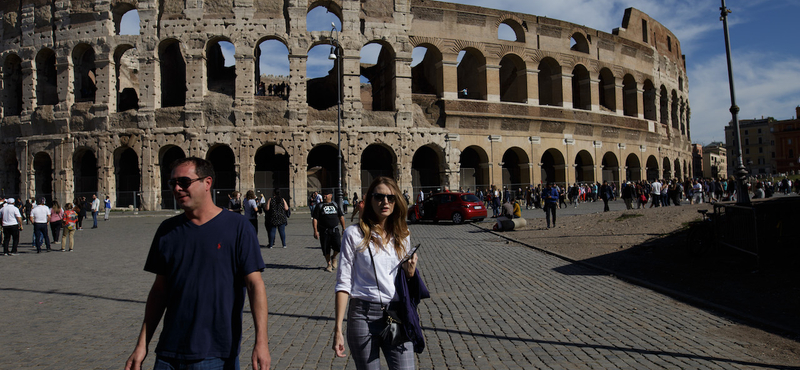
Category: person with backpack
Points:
column 70, row 221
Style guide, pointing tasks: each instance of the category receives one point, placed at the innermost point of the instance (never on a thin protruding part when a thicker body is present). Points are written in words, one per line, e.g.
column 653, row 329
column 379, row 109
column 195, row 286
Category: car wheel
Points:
column 457, row 218
column 413, row 218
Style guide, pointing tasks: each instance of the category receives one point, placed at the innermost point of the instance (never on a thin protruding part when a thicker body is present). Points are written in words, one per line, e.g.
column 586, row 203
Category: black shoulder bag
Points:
column 392, row 330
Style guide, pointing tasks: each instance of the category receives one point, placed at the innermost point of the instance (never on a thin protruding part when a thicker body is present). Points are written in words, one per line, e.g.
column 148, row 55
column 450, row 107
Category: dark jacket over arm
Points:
column 411, row 292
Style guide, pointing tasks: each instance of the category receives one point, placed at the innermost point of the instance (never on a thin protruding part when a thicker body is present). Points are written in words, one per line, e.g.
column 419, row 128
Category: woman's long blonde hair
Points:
column 396, row 227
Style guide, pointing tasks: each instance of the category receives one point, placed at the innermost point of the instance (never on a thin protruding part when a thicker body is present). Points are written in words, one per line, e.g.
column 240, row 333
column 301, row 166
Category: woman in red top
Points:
column 69, row 219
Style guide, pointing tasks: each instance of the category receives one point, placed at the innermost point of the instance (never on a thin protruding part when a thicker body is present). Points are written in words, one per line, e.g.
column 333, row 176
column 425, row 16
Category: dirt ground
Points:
column 647, row 247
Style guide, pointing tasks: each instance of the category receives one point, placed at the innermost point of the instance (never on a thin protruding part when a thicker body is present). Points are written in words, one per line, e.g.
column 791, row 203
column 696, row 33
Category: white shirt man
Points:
column 40, row 215
column 12, row 224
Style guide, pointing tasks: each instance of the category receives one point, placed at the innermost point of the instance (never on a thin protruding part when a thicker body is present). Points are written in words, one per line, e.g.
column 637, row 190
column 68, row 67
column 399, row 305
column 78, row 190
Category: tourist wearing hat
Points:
column 12, row 224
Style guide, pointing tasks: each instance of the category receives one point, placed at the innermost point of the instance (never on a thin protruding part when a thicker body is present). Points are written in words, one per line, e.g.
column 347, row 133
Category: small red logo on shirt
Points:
column 219, row 246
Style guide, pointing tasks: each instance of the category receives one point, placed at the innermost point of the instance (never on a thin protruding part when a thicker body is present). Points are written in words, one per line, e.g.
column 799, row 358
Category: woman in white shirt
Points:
column 382, row 230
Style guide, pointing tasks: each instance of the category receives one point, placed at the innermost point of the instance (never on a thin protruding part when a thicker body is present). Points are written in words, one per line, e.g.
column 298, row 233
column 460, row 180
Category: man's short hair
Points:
column 202, row 167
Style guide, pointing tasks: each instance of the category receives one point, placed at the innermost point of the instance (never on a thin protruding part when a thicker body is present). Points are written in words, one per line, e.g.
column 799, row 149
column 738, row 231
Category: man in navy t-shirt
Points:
column 205, row 260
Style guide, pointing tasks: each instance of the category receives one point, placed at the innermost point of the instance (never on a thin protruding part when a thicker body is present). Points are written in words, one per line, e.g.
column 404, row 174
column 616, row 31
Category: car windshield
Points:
column 471, row 198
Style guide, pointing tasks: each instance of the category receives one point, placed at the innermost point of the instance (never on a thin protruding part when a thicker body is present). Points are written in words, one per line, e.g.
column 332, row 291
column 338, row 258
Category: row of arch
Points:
column 428, row 166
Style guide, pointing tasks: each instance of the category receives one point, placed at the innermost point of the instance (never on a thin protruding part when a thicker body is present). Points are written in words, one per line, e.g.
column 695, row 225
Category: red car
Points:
column 458, row 207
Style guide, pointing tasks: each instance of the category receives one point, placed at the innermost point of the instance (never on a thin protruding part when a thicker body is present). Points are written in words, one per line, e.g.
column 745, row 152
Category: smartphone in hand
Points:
column 411, row 255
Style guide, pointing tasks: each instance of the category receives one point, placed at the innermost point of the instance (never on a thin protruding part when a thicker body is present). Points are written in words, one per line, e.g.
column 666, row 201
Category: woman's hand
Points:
column 411, row 265
column 338, row 343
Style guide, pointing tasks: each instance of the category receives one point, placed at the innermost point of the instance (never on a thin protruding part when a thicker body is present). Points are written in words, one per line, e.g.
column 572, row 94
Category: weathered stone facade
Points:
column 85, row 109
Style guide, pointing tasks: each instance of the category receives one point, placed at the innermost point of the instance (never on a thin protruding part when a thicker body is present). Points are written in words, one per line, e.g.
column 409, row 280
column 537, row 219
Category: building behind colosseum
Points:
column 85, row 109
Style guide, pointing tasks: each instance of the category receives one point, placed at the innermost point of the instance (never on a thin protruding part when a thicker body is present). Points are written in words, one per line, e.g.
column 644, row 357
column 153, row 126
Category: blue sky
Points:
column 766, row 56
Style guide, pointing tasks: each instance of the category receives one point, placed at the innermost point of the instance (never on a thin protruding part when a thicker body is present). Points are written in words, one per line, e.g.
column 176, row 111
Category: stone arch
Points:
column 426, row 76
column 46, row 78
column 273, row 53
column 167, row 155
column 664, row 106
column 472, row 74
column 550, row 92
column 273, row 165
column 223, row 159
column 12, row 85
column 610, row 166
column 584, row 167
column 474, row 163
column 553, row 167
column 85, row 77
column 678, row 174
column 323, row 92
column 674, row 111
column 126, row 61
column 380, row 93
column 118, row 11
column 85, row 171
column 221, row 77
column 666, row 168
column 377, row 160
column 682, row 116
column 607, row 90
column 630, row 100
column 9, row 172
column 581, row 88
column 513, row 79
column 173, row 73
column 427, row 168
column 516, row 26
column 649, row 100
column 578, row 42
column 516, row 168
column 652, row 168
column 333, row 7
column 43, row 176
column 127, row 176
column 323, row 170
column 633, row 169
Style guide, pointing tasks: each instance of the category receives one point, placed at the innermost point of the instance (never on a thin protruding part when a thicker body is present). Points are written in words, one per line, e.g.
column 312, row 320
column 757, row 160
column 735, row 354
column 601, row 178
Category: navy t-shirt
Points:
column 205, row 268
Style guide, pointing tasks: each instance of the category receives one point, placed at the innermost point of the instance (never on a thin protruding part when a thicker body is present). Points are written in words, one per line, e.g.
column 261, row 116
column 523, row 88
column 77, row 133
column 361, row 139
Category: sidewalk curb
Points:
column 743, row 317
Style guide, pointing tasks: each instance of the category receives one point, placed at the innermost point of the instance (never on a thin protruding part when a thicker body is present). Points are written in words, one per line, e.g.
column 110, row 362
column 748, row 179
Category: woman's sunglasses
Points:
column 378, row 197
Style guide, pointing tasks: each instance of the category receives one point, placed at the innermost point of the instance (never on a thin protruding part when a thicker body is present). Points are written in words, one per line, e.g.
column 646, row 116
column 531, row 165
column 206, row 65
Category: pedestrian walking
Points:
column 40, row 216
column 95, row 210
column 56, row 217
column 550, row 196
column 70, row 223
column 372, row 251
column 275, row 217
column 235, row 202
column 12, row 225
column 251, row 209
column 106, row 208
column 326, row 218
column 205, row 260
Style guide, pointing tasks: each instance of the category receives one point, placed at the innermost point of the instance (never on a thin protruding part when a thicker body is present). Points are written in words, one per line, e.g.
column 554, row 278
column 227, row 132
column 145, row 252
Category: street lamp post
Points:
column 336, row 56
column 742, row 194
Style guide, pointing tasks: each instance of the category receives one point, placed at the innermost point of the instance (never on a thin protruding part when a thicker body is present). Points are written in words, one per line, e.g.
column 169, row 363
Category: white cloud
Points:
column 766, row 85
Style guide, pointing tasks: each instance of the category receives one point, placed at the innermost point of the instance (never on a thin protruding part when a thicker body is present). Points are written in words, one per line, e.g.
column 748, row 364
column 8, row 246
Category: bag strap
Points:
column 376, row 276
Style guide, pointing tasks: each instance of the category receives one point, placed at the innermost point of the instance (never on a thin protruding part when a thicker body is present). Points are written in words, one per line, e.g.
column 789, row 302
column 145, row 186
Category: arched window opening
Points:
column 633, row 170
column 678, row 174
column 173, row 74
column 426, row 70
column 12, row 86
column 322, row 84
column 377, row 160
column 649, row 100
column 584, row 167
column 550, row 92
column 652, row 168
column 474, row 168
column 667, row 170
column 84, row 165
column 607, row 91
column 272, row 69
column 43, row 176
column 674, row 111
column 169, row 155
column 578, row 42
column 319, row 18
column 513, row 87
column 9, row 172
column 664, row 105
column 46, row 78
column 126, row 60
column 426, row 170
column 126, row 19
column 85, row 73
column 610, row 168
column 224, row 162
column 323, row 170
column 471, row 74
column 630, row 104
column 516, row 172
column 272, row 170
column 553, row 167
column 377, row 77
column 680, row 83
column 683, row 116
column 221, row 67
column 581, row 88
column 510, row 30
column 128, row 176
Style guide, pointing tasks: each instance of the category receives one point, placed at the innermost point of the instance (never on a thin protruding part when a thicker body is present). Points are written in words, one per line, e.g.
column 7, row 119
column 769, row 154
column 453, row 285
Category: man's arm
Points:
column 341, row 221
column 258, row 305
column 314, row 224
column 154, row 309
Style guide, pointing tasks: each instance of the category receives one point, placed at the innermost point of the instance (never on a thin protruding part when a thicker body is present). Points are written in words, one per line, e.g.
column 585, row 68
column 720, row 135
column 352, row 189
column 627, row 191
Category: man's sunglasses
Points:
column 378, row 197
column 184, row 182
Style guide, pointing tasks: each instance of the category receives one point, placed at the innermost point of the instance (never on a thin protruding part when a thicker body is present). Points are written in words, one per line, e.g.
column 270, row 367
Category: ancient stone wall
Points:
column 87, row 110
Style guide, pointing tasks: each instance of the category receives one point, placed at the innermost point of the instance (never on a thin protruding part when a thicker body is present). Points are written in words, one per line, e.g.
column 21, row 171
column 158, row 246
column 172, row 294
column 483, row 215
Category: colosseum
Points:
column 496, row 98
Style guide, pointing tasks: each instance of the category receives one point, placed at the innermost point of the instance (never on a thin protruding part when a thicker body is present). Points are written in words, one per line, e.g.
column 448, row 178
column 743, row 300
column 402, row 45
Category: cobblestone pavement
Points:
column 494, row 305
